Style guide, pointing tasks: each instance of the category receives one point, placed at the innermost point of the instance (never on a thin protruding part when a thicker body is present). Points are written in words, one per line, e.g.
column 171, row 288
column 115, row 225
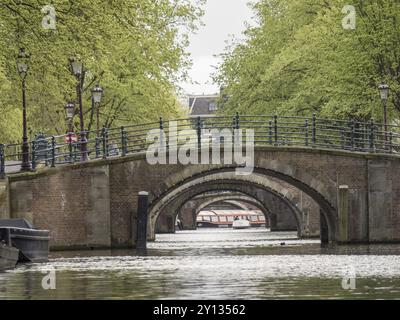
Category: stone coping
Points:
column 142, row 155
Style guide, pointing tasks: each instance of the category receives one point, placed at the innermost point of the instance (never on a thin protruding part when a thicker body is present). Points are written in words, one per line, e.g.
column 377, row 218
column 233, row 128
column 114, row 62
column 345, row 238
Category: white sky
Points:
column 222, row 19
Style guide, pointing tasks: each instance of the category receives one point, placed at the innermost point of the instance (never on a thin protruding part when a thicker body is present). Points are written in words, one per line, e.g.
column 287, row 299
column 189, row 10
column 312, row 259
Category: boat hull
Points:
column 8, row 257
column 241, row 224
column 33, row 245
column 206, row 224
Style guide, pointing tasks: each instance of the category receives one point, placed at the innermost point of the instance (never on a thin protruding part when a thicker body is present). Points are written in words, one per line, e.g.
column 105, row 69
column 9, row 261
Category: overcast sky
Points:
column 222, row 19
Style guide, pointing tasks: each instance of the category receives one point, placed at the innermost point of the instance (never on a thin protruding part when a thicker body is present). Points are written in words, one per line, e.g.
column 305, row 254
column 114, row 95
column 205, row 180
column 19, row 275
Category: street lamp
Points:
column 23, row 67
column 76, row 68
column 384, row 91
column 70, row 108
column 97, row 94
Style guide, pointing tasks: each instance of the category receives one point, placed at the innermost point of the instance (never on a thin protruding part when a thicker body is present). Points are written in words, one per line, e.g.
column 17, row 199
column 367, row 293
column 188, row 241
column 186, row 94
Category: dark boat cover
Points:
column 16, row 223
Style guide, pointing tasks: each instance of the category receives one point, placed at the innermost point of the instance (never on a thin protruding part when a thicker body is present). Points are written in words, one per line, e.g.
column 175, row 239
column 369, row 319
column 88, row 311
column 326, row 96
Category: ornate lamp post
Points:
column 384, row 90
column 77, row 70
column 70, row 108
column 23, row 67
column 97, row 94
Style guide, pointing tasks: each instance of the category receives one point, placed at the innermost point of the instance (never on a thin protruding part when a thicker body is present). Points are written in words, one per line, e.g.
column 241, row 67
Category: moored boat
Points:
column 226, row 218
column 8, row 256
column 241, row 224
column 33, row 244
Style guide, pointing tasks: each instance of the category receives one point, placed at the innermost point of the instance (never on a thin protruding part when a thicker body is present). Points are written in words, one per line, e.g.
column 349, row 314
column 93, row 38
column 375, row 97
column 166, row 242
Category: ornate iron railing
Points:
column 275, row 131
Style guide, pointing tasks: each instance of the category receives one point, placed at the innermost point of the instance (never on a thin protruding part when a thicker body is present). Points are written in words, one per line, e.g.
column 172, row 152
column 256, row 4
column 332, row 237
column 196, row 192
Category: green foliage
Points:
column 132, row 48
column 300, row 60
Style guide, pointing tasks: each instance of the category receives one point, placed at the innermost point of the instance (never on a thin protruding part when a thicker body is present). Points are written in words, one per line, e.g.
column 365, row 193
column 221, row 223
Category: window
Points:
column 222, row 218
column 212, row 106
column 261, row 218
column 214, row 219
column 206, row 218
column 230, row 218
column 253, row 218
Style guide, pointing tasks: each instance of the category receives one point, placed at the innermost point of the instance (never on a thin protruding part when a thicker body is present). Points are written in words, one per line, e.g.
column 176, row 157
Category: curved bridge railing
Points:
column 275, row 131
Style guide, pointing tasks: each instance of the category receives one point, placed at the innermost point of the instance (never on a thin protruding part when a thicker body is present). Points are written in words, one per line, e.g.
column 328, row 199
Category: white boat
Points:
column 241, row 224
column 225, row 218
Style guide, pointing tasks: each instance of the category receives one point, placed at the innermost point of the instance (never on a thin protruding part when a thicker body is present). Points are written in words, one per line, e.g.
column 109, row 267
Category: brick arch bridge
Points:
column 93, row 204
column 283, row 214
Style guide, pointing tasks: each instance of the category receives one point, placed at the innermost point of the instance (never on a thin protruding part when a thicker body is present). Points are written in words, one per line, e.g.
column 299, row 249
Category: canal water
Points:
column 214, row 264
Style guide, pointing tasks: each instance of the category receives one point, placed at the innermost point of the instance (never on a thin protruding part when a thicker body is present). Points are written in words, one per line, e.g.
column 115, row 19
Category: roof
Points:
column 199, row 104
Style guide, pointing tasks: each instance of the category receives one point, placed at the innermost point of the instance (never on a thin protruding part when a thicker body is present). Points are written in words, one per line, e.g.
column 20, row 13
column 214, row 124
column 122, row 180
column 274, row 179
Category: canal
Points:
column 214, row 264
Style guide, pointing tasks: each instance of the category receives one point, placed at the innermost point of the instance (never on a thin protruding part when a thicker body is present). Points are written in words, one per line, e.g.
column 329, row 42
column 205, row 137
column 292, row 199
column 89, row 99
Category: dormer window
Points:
column 212, row 106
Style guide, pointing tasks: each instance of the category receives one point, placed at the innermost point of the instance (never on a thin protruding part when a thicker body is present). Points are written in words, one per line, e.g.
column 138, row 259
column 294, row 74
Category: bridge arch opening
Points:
column 251, row 189
column 189, row 209
column 238, row 200
column 257, row 179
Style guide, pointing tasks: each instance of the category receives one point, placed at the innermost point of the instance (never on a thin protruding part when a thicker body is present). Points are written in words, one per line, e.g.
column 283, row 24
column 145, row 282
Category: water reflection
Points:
column 214, row 264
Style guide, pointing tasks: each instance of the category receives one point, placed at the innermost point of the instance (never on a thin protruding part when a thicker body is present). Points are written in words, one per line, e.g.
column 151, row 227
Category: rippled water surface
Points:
column 215, row 264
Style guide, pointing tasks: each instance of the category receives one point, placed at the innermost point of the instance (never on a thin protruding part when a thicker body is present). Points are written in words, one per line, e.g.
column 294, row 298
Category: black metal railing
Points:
column 278, row 131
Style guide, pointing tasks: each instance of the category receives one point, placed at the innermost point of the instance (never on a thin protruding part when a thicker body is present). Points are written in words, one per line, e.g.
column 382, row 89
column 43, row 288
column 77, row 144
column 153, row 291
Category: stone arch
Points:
column 236, row 203
column 323, row 186
column 261, row 174
column 228, row 198
column 178, row 202
column 252, row 189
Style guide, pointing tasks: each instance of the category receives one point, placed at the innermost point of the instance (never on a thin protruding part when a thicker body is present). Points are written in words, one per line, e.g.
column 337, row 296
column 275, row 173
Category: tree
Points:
column 300, row 60
column 131, row 47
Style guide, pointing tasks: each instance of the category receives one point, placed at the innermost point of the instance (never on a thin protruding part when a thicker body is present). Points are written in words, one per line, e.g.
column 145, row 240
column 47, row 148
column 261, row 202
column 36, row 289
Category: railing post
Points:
column 270, row 132
column 352, row 132
column 364, row 137
column 53, row 151
column 198, row 127
column 161, row 126
column 33, row 155
column 123, row 142
column 70, row 148
column 314, row 129
column 126, row 138
column 372, row 136
column 306, row 128
column 105, row 142
column 97, row 147
column 84, row 145
column 75, row 145
column 342, row 137
column 2, row 162
column 237, row 128
column 390, row 142
column 276, row 129
column 358, row 130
